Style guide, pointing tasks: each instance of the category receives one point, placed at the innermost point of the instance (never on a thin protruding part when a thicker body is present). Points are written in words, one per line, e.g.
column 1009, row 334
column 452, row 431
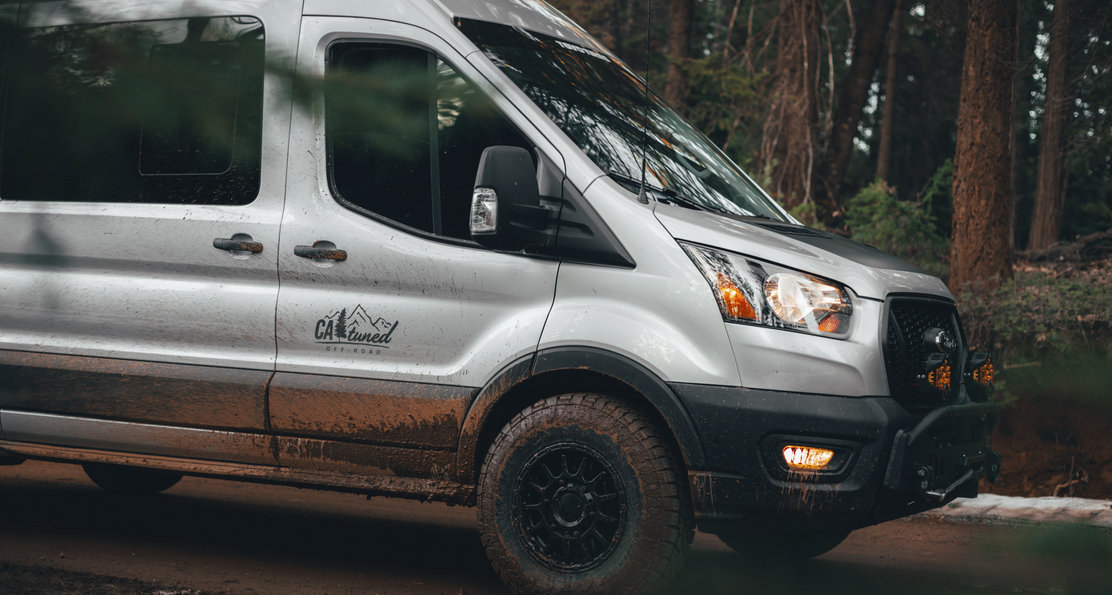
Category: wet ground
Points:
column 59, row 534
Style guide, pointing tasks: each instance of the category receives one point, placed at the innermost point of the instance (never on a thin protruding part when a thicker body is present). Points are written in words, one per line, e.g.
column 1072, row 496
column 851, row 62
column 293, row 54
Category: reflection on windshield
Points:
column 599, row 103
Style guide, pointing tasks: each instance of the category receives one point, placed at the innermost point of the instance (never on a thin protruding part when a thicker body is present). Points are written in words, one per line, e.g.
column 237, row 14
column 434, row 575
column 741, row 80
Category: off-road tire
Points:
column 562, row 468
column 129, row 480
column 787, row 546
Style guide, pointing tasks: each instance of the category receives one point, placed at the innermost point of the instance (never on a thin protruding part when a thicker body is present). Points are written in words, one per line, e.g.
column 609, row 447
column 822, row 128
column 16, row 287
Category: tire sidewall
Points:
column 612, row 436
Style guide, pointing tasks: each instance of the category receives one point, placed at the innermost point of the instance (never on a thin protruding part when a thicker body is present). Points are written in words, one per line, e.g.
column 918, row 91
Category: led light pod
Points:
column 936, row 381
column 979, row 376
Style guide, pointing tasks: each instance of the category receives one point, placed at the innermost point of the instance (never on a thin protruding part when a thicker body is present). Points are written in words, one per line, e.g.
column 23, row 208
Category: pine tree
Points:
column 341, row 324
column 980, row 249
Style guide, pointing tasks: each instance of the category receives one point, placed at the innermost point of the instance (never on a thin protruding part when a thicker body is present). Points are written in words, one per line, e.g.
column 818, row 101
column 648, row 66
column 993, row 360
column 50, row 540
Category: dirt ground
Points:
column 60, row 535
column 1051, row 441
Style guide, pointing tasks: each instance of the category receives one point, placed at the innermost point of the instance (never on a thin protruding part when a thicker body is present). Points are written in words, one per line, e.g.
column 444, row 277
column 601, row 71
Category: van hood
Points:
column 869, row 272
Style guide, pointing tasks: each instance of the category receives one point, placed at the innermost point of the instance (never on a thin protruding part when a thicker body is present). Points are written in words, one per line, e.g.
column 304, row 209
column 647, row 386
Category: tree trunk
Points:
column 614, row 26
column 979, row 249
column 867, row 47
column 885, row 151
column 789, row 139
column 1046, row 220
column 1017, row 83
column 679, row 52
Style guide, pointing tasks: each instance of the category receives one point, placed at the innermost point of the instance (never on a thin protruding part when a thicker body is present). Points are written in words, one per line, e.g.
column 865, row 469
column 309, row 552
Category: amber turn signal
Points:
column 807, row 457
column 734, row 300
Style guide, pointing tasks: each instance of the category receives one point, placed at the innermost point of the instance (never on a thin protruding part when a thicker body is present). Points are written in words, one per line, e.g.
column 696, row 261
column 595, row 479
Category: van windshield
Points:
column 600, row 104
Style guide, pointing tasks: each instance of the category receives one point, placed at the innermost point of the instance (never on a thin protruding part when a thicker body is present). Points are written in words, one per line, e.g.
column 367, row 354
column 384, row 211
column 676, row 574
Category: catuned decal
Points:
column 354, row 327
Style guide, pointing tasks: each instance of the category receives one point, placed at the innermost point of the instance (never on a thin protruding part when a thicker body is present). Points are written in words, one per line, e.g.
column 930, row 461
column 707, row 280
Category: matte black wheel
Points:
column 129, row 480
column 784, row 546
column 580, row 493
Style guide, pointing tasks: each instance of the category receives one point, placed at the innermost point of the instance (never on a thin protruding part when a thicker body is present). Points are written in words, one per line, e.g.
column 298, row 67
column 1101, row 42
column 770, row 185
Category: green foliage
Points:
column 806, row 212
column 725, row 103
column 1068, row 554
column 1048, row 332
column 939, row 195
column 878, row 218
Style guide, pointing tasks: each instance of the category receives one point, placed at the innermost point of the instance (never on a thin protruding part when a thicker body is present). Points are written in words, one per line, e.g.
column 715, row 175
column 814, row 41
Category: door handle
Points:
column 328, row 252
column 237, row 244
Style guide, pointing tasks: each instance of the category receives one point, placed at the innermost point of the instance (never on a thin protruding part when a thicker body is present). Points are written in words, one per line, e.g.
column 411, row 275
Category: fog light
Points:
column 807, row 457
column 979, row 373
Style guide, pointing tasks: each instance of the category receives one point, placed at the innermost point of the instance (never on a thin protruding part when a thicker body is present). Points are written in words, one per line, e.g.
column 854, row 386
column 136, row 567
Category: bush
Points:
column 1048, row 332
column 876, row 217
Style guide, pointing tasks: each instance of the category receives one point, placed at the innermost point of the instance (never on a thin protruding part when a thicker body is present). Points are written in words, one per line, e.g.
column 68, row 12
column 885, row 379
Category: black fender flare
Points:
column 615, row 366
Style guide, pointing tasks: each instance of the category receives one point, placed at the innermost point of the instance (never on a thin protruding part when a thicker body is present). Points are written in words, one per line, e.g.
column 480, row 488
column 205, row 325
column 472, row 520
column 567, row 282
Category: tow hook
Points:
column 995, row 459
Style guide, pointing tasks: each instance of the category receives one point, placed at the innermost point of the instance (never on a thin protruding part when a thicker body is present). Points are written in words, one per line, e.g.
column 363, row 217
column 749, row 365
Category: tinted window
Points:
column 405, row 135
column 153, row 112
column 600, row 104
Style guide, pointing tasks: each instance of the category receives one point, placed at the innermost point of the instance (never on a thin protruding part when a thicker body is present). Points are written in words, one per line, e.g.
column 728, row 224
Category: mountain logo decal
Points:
column 354, row 327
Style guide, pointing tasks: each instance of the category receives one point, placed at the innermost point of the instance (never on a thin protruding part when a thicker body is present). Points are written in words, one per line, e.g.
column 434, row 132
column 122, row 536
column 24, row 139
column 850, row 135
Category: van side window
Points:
column 153, row 112
column 405, row 133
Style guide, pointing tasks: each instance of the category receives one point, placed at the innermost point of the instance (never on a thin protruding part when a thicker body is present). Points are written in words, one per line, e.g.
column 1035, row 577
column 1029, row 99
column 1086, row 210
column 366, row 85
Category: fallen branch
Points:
column 1071, row 252
column 1069, row 484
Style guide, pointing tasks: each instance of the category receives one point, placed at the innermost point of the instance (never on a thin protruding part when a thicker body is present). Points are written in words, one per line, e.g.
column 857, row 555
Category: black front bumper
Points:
column 889, row 463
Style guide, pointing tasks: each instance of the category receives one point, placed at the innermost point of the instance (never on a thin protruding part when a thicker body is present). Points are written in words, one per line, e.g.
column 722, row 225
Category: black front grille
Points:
column 905, row 351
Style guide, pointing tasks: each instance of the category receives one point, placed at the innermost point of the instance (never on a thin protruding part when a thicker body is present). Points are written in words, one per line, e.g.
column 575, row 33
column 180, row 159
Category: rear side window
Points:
column 405, row 134
column 152, row 112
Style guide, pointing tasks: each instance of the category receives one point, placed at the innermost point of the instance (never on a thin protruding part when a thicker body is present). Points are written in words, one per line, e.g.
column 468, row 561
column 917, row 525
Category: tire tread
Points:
column 674, row 502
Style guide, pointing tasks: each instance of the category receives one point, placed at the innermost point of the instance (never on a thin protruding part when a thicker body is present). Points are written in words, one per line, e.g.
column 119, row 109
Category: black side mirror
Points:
column 506, row 213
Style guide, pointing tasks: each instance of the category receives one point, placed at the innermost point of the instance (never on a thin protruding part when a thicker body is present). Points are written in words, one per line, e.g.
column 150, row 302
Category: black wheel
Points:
column 581, row 493
column 129, row 480
column 788, row 546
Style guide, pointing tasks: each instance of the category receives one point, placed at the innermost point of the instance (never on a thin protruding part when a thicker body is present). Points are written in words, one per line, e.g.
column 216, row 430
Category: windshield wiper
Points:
column 669, row 196
column 629, row 180
column 678, row 199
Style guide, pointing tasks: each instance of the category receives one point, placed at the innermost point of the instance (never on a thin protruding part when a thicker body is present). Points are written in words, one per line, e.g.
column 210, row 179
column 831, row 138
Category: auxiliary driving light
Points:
column 807, row 457
column 979, row 376
column 937, row 378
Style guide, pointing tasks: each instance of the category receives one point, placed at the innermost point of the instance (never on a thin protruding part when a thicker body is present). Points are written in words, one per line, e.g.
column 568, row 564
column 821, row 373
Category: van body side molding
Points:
column 370, row 485
column 135, row 391
column 138, row 438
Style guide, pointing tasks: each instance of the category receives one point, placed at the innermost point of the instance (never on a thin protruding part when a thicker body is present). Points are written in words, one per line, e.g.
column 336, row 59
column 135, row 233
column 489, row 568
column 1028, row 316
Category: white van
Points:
column 402, row 248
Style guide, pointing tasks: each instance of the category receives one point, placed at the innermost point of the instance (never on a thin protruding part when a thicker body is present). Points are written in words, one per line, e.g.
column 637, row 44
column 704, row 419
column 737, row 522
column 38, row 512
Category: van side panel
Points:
column 120, row 305
column 405, row 414
column 660, row 314
column 203, row 396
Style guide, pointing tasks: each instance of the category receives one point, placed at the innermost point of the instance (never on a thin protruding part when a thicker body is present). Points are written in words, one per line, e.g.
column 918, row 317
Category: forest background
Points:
column 971, row 137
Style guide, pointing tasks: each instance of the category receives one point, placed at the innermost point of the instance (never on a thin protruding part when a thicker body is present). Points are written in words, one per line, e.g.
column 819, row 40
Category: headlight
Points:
column 752, row 291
